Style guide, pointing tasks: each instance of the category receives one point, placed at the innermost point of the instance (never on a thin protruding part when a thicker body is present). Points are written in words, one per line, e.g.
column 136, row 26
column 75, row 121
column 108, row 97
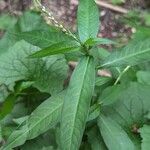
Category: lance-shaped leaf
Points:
column 98, row 41
column 135, row 53
column 114, row 136
column 41, row 120
column 96, row 140
column 102, row 80
column 77, row 103
column 43, row 38
column 88, row 19
column 145, row 134
column 58, row 48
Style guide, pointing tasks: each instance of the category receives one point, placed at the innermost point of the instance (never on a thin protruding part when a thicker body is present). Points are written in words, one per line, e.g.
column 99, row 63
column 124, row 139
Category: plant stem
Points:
column 121, row 74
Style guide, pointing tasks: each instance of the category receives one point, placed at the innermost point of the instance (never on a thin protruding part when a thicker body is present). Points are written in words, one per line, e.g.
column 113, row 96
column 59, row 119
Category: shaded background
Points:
column 112, row 25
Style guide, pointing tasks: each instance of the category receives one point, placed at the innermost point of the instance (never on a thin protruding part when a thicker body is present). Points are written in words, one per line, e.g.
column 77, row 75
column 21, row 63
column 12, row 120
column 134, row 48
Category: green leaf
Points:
column 94, row 112
column 96, row 140
column 111, row 94
column 143, row 77
column 134, row 53
column 77, row 104
column 6, row 21
column 58, row 48
column 114, row 136
column 21, row 120
column 47, row 74
column 88, row 19
column 145, row 134
column 102, row 80
column 22, row 85
column 3, row 93
column 27, row 22
column 42, row 142
column 98, row 41
column 85, row 146
column 31, row 20
column 131, row 107
column 7, row 105
column 1, row 136
column 40, row 121
column 99, row 54
column 43, row 38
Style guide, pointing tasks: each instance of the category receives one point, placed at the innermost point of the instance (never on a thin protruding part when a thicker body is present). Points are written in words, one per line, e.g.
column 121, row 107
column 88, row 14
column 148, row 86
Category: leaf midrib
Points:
column 47, row 51
column 78, row 103
column 33, row 126
column 126, row 57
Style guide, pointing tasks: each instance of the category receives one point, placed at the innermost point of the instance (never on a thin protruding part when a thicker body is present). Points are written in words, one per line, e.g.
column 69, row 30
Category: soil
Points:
column 65, row 13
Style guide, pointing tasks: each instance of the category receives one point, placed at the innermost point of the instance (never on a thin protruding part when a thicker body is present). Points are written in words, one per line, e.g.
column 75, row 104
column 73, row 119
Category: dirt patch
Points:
column 65, row 13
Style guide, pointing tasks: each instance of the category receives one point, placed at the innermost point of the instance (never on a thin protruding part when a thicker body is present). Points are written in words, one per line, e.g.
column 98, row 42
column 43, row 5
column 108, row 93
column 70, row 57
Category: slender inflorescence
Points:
column 50, row 16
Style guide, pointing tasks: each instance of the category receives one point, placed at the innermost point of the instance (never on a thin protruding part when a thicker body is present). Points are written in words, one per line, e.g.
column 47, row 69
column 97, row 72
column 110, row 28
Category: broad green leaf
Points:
column 132, row 106
column 98, row 41
column 102, row 80
column 31, row 20
column 99, row 54
column 103, row 53
column 73, row 55
column 6, row 21
column 147, row 116
column 77, row 104
column 96, row 140
column 131, row 109
column 47, row 74
column 8, row 40
column 143, row 77
column 58, row 48
column 134, row 53
column 127, row 74
column 40, row 121
column 27, row 22
column 111, row 94
column 88, row 19
column 114, row 136
column 17, row 138
column 43, row 38
column 3, row 93
column 145, row 134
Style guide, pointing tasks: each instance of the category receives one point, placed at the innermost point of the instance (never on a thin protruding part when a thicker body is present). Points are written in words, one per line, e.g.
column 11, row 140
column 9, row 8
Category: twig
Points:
column 112, row 7
column 121, row 74
column 106, row 5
